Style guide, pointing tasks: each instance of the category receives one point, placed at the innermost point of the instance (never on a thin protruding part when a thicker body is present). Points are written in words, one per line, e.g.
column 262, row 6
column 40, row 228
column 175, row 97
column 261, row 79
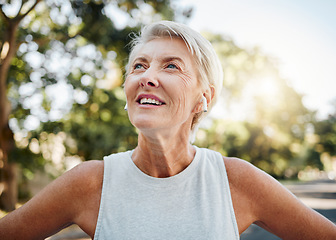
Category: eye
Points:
column 138, row 66
column 172, row 66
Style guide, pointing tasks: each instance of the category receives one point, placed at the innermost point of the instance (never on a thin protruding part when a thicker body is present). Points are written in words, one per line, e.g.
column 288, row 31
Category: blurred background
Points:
column 61, row 96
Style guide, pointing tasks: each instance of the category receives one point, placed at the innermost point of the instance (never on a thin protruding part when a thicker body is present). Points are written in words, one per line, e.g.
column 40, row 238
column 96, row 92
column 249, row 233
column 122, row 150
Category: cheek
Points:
column 185, row 91
column 186, row 100
column 190, row 90
column 129, row 87
column 188, row 80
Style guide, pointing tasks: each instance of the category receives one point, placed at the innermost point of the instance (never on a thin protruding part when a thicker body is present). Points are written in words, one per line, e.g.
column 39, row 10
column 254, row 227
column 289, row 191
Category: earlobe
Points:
column 199, row 107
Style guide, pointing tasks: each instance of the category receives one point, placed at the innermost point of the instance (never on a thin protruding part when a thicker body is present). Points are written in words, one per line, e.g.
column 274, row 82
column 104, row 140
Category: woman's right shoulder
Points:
column 91, row 167
column 88, row 173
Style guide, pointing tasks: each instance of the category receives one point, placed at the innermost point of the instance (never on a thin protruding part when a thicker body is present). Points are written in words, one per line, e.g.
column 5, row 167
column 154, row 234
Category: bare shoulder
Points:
column 247, row 177
column 89, row 173
column 238, row 169
column 83, row 180
column 259, row 198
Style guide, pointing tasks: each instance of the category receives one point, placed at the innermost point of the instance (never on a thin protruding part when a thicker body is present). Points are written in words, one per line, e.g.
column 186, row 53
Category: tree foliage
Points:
column 64, row 86
column 64, row 83
column 263, row 119
column 323, row 142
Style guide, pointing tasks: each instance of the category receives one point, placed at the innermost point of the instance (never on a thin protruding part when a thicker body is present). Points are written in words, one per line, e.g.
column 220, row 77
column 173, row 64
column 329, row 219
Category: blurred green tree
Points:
column 60, row 83
column 262, row 118
column 62, row 94
column 323, row 139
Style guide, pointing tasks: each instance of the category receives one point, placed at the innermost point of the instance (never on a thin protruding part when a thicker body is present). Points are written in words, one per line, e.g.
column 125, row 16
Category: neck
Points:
column 163, row 156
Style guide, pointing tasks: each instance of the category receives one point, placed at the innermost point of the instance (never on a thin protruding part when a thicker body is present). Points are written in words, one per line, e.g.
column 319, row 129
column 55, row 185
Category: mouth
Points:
column 149, row 100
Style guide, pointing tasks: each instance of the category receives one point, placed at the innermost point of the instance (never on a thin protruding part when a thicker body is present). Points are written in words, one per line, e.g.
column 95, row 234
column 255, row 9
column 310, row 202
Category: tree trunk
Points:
column 8, row 186
column 9, row 196
column 8, row 170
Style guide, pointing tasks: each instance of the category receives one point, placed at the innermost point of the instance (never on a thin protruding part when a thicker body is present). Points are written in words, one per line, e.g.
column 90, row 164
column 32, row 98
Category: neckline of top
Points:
column 167, row 181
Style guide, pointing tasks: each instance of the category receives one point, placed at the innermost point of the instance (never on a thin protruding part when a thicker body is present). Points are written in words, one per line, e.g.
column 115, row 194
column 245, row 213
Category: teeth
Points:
column 149, row 101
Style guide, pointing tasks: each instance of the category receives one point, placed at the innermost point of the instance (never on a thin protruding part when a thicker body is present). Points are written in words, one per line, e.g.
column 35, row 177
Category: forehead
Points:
column 164, row 47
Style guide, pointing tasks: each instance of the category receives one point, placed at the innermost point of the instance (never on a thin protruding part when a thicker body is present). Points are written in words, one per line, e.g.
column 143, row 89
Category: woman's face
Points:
column 161, row 88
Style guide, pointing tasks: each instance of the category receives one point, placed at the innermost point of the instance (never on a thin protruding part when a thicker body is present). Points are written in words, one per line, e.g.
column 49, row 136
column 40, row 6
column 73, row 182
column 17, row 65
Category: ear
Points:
column 199, row 106
column 209, row 95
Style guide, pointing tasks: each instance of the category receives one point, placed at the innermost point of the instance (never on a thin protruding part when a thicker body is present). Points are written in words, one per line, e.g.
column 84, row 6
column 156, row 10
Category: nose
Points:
column 149, row 79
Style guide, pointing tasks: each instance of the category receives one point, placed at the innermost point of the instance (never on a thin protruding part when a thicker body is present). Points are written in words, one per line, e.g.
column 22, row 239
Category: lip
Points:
column 149, row 96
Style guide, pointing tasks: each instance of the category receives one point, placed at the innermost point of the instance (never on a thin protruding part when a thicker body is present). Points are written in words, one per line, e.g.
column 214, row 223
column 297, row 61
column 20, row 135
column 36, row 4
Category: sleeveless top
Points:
column 194, row 204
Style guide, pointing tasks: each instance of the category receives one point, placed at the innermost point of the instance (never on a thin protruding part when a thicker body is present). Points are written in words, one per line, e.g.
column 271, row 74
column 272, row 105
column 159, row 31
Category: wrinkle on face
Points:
column 169, row 63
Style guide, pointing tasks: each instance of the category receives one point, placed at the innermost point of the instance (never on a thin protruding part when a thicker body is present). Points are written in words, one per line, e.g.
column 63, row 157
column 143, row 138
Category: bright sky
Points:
column 300, row 33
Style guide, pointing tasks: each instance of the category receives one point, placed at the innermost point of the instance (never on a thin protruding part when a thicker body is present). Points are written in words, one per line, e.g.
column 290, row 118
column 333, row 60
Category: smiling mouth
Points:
column 150, row 101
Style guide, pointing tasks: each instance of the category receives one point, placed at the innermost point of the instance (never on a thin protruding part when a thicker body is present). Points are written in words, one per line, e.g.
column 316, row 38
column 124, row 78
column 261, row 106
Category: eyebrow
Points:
column 172, row 58
column 163, row 59
column 139, row 59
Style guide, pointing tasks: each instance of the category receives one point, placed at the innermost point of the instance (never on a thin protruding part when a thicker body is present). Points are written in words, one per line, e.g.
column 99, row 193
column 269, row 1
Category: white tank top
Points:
column 194, row 204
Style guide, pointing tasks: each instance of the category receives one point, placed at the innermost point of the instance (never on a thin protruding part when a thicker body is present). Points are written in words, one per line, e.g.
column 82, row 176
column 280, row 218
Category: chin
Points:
column 147, row 124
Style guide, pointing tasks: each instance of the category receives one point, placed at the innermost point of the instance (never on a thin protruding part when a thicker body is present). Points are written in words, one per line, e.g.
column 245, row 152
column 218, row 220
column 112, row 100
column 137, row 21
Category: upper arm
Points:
column 55, row 207
column 272, row 206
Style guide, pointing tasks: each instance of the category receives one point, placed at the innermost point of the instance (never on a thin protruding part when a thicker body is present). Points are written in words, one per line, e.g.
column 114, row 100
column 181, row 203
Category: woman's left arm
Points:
column 283, row 214
column 277, row 210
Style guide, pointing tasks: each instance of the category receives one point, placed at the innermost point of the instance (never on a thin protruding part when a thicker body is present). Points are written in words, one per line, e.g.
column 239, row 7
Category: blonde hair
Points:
column 207, row 62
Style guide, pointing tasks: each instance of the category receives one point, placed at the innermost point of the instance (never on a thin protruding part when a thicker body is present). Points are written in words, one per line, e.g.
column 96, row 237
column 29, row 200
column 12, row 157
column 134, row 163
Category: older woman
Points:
column 167, row 188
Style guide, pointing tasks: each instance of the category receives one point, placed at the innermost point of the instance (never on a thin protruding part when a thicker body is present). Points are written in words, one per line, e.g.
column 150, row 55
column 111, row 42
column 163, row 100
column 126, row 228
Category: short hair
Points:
column 209, row 68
